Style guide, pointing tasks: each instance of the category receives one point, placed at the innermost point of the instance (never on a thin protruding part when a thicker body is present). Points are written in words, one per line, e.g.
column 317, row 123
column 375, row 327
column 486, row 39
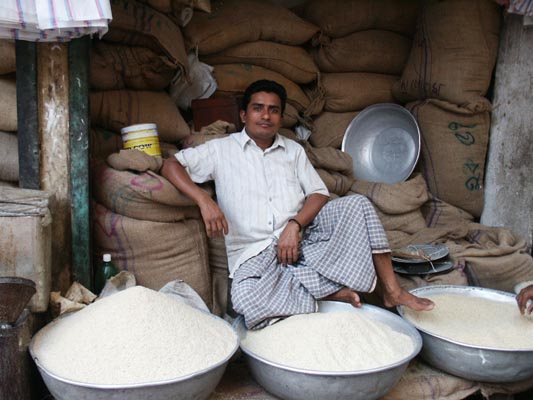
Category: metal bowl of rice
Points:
column 474, row 362
column 291, row 383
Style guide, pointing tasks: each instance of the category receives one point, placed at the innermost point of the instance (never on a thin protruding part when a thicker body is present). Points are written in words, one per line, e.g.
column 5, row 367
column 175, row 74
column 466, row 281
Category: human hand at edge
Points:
column 288, row 244
column 215, row 222
column 523, row 297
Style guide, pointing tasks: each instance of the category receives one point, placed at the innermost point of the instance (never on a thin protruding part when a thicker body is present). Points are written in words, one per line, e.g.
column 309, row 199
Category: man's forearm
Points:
column 174, row 172
column 313, row 204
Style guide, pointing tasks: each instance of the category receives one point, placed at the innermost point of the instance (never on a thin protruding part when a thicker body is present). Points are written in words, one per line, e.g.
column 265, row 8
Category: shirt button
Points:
column 270, row 223
column 270, row 199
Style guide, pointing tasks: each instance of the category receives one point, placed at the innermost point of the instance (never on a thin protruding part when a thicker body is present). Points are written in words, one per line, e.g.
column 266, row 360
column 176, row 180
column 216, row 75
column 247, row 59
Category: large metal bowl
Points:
column 196, row 386
column 384, row 142
column 475, row 363
column 301, row 384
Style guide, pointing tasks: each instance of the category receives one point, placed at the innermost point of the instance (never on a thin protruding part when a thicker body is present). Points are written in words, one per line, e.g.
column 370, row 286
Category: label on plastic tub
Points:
column 142, row 137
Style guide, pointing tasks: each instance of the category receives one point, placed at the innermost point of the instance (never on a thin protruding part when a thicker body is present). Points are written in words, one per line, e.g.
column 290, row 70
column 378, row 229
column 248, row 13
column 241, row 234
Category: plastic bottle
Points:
column 104, row 272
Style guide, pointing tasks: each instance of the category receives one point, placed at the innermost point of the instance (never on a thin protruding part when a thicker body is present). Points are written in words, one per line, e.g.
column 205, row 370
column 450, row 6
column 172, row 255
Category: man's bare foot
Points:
column 404, row 298
column 345, row 295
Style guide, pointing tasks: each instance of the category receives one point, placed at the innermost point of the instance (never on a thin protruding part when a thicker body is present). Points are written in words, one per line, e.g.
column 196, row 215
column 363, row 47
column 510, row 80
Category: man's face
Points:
column 262, row 117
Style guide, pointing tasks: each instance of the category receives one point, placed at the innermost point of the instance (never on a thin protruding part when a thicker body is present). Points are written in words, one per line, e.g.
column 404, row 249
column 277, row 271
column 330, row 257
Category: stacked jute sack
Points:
column 247, row 40
column 445, row 82
column 9, row 164
column 360, row 51
column 483, row 256
column 131, row 67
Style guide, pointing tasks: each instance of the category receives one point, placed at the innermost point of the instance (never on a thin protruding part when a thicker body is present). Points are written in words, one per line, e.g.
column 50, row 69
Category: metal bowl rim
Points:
column 415, row 336
column 398, row 107
column 421, row 290
column 145, row 384
column 18, row 280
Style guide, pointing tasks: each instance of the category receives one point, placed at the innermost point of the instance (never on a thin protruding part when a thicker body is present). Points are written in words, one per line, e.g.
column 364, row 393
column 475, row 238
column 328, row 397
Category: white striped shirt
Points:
column 258, row 191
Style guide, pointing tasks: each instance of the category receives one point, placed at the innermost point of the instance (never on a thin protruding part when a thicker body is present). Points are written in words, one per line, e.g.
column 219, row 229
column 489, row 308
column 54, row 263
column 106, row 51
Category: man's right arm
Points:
column 214, row 219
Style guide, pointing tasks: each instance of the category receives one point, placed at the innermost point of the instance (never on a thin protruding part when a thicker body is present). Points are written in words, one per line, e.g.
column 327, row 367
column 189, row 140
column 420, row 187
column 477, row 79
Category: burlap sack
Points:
column 329, row 158
column 120, row 67
column 134, row 160
column 115, row 109
column 135, row 24
column 377, row 51
column 439, row 214
column 8, row 104
column 218, row 262
column 168, row 6
column 235, row 78
column 7, row 56
column 423, row 382
column 293, row 62
column 353, row 91
column 233, row 22
column 102, row 143
column 454, row 148
column 143, row 196
column 453, row 53
column 155, row 252
column 329, row 128
column 337, row 18
column 335, row 182
column 197, row 139
column 9, row 157
column 290, row 116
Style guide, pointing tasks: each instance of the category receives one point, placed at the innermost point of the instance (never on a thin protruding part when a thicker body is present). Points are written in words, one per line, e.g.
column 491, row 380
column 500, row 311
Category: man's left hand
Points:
column 288, row 244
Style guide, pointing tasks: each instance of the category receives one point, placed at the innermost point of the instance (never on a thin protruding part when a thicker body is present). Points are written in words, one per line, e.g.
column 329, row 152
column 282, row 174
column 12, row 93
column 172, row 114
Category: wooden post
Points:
column 53, row 115
column 79, row 160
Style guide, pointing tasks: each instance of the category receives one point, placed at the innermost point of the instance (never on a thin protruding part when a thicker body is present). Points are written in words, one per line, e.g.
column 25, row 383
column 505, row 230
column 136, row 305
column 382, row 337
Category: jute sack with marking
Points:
column 7, row 56
column 353, row 91
column 235, row 78
column 338, row 18
column 9, row 157
column 329, row 128
column 136, row 24
column 453, row 153
column 440, row 214
column 453, row 53
column 115, row 109
column 143, row 196
column 293, row 62
column 155, row 252
column 8, row 104
column 232, row 22
column 119, row 67
column 372, row 50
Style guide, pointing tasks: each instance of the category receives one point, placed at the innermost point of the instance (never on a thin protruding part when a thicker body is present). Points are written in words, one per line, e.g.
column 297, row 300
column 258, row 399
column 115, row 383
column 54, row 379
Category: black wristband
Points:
column 300, row 227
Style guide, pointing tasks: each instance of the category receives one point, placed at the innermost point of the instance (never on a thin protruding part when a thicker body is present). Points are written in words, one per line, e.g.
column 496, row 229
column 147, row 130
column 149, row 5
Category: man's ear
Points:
column 242, row 113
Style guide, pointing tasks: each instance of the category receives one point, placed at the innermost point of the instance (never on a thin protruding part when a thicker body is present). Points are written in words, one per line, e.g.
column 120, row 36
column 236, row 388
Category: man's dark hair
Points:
column 264, row 85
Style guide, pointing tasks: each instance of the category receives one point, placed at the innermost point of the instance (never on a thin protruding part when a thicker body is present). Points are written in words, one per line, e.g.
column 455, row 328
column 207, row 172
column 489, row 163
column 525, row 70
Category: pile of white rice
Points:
column 333, row 342
column 476, row 321
column 135, row 336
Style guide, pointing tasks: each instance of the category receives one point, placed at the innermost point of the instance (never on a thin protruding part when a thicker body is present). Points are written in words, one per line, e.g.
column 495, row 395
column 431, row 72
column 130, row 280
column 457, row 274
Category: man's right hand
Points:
column 214, row 219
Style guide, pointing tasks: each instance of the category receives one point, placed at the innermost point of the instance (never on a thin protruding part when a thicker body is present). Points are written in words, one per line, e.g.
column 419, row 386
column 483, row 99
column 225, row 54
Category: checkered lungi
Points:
column 335, row 252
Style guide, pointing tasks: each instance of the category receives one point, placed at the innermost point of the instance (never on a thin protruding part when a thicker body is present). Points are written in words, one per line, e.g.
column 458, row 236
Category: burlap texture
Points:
column 338, row 18
column 235, row 78
column 168, row 6
column 155, row 252
column 7, row 56
column 135, row 24
column 196, row 139
column 290, row 116
column 8, row 104
column 335, row 182
column 377, row 51
column 115, row 109
column 9, row 157
column 329, row 128
column 353, row 91
column 293, row 62
column 143, row 196
column 439, row 214
column 329, row 158
column 134, row 160
column 233, row 22
column 453, row 153
column 453, row 54
column 218, row 262
column 104, row 142
column 119, row 67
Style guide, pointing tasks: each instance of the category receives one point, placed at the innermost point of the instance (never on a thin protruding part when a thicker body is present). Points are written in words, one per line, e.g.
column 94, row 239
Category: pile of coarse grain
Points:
column 131, row 337
column 476, row 321
column 333, row 342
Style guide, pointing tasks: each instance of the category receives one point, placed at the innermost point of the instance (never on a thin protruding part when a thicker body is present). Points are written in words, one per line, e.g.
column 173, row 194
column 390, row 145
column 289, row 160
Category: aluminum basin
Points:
column 300, row 384
column 474, row 363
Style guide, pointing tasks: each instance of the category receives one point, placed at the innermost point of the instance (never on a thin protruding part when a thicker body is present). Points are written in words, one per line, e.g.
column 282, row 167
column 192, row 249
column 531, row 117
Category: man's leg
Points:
column 393, row 294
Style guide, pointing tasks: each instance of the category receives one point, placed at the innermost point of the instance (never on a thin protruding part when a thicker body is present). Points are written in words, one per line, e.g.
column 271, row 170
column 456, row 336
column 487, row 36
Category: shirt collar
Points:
column 243, row 139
